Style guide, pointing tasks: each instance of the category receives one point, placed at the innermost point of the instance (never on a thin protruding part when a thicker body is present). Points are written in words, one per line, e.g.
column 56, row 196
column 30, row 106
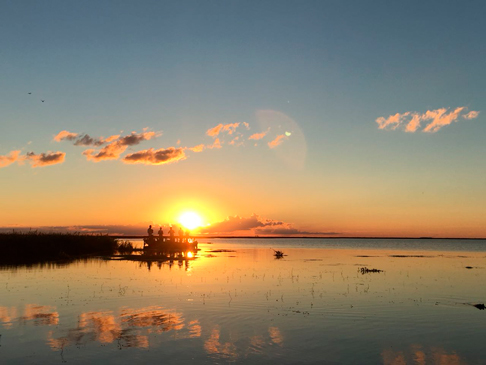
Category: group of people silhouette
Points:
column 171, row 232
column 169, row 244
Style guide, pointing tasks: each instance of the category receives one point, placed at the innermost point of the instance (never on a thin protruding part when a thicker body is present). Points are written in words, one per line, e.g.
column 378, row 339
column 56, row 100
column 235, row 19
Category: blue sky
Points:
column 181, row 68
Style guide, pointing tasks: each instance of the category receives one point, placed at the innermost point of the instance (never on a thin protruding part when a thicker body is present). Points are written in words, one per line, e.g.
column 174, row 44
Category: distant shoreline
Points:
column 307, row 237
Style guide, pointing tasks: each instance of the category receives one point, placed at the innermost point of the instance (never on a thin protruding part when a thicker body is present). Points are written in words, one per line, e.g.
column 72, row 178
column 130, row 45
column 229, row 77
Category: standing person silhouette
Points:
column 171, row 233
column 150, row 231
column 160, row 232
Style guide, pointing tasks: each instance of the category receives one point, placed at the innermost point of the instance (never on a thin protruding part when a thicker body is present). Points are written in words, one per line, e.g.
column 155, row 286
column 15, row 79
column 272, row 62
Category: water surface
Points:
column 245, row 306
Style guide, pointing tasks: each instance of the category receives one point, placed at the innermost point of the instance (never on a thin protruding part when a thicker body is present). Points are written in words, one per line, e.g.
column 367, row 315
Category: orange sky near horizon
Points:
column 333, row 119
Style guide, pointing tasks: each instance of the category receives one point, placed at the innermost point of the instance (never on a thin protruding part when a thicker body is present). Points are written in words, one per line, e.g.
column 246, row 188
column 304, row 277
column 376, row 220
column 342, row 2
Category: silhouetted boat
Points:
column 169, row 246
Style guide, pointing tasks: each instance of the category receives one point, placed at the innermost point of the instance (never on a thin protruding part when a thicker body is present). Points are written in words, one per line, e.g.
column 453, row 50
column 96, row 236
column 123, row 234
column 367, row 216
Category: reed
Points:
column 125, row 247
column 38, row 246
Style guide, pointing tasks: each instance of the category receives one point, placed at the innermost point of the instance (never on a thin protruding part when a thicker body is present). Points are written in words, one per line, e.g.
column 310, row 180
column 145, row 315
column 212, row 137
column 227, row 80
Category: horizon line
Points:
column 311, row 237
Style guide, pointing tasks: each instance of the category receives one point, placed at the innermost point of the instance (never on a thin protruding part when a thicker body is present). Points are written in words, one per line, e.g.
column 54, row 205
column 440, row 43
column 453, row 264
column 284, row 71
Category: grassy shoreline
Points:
column 17, row 247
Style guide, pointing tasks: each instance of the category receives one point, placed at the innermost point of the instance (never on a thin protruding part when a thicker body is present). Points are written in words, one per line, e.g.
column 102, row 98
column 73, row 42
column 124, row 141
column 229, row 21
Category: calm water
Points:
column 244, row 306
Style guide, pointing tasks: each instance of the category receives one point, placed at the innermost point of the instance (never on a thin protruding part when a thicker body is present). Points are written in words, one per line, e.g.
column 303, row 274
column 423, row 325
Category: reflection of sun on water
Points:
column 190, row 220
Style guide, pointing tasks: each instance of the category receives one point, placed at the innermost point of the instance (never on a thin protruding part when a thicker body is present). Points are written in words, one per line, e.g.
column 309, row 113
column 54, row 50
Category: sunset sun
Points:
column 190, row 220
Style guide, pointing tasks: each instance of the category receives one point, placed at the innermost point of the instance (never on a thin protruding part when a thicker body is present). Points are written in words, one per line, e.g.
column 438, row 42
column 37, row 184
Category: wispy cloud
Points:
column 113, row 147
column 36, row 160
column 156, row 157
column 113, row 150
column 135, row 138
column 440, row 118
column 9, row 159
column 433, row 120
column 257, row 136
column 471, row 115
column 65, row 135
column 213, row 132
column 198, row 148
column 86, row 140
column 45, row 159
column 216, row 144
column 277, row 141
column 83, row 139
column 392, row 122
column 228, row 128
column 237, row 141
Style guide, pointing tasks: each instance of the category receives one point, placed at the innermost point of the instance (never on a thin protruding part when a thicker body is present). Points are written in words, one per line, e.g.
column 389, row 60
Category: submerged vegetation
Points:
column 17, row 247
column 365, row 270
column 278, row 254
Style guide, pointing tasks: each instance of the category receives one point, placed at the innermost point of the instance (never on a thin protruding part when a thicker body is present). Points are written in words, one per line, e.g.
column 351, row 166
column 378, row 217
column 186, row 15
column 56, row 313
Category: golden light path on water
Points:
column 238, row 304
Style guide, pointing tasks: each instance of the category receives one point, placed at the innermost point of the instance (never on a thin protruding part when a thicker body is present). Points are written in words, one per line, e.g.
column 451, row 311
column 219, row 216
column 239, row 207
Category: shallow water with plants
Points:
column 325, row 301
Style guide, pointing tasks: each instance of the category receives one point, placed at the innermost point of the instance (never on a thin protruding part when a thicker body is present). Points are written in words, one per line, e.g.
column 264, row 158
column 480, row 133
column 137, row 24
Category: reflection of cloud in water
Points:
column 214, row 347
column 258, row 344
column 441, row 357
column 391, row 357
column 417, row 355
column 288, row 140
column 7, row 315
column 162, row 320
column 101, row 324
column 127, row 329
column 41, row 315
column 92, row 326
column 275, row 335
column 194, row 329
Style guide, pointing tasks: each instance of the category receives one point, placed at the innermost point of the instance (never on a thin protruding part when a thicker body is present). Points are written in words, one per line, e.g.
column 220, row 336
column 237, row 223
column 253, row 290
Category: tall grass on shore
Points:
column 38, row 246
column 125, row 247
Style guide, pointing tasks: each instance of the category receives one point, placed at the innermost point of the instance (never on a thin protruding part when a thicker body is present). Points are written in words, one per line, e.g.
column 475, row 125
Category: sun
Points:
column 190, row 220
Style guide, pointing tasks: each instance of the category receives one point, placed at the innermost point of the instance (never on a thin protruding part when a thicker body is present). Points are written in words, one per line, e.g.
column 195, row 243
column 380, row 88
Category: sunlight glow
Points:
column 190, row 220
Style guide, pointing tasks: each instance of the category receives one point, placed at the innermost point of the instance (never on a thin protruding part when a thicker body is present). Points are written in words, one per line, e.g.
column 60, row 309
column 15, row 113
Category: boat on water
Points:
column 171, row 246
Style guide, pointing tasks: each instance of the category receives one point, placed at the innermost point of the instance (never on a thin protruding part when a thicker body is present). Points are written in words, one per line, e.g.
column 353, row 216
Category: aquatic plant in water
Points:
column 365, row 270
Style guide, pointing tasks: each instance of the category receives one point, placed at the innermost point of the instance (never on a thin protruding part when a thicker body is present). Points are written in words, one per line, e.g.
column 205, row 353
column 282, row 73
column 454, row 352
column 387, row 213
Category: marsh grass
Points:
column 17, row 247
column 125, row 247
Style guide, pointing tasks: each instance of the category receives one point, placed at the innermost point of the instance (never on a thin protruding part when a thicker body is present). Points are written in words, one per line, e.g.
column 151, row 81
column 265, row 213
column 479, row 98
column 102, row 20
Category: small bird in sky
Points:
column 42, row 100
column 30, row 93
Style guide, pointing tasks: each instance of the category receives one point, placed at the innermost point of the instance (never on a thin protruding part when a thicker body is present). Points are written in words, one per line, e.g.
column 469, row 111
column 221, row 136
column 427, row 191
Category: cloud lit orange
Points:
column 277, row 141
column 436, row 119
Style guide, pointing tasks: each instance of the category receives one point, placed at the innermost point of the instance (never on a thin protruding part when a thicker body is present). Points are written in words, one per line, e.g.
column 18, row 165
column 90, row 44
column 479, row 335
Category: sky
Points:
column 332, row 118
